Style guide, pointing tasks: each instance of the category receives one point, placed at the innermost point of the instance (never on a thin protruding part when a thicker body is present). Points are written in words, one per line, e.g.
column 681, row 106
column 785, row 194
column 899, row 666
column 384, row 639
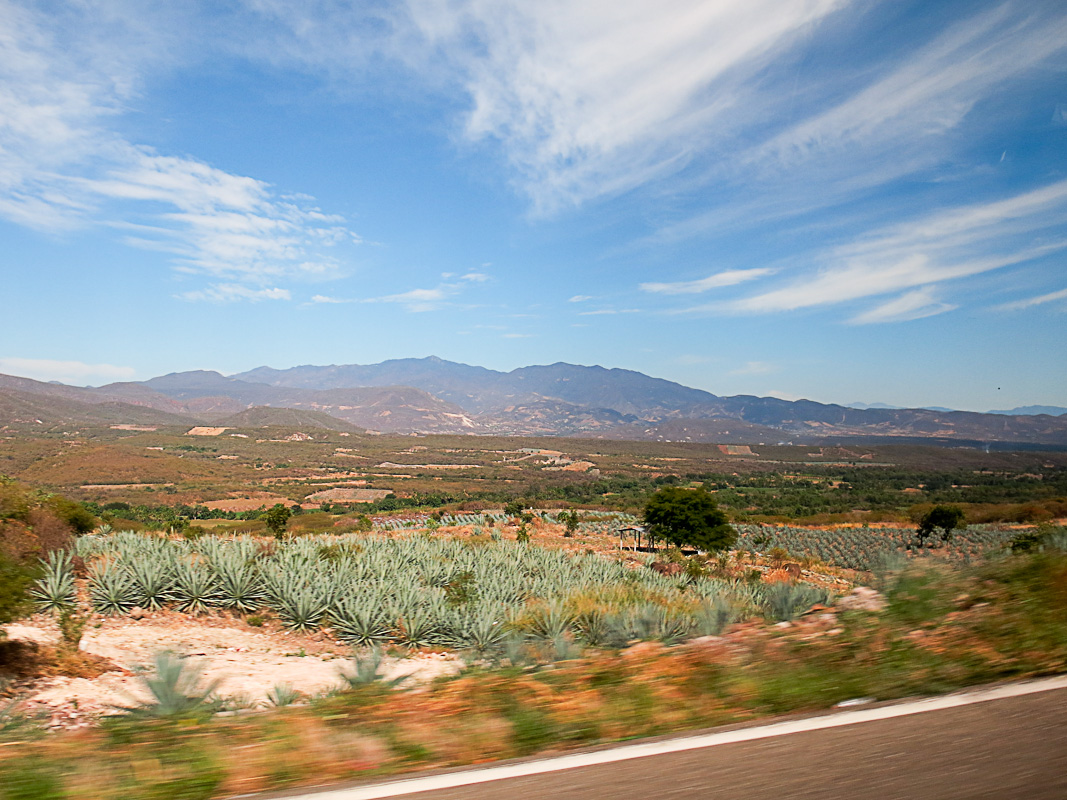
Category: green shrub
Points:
column 15, row 582
column 33, row 779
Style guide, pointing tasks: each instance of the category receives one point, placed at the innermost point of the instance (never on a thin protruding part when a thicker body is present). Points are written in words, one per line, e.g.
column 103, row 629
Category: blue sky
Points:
column 843, row 201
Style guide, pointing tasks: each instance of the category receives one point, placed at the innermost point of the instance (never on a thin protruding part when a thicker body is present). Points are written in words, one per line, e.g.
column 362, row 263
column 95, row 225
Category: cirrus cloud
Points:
column 730, row 277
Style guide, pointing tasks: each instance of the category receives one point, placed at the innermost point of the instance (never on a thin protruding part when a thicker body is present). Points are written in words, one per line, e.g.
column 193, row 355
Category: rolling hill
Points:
column 567, row 399
column 431, row 395
column 266, row 417
column 20, row 410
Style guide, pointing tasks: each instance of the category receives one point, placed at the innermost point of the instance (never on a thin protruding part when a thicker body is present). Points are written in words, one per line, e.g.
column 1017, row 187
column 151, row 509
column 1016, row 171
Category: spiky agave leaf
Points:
column 153, row 578
column 300, row 606
column 54, row 591
column 416, row 629
column 195, row 587
column 366, row 671
column 359, row 621
column 551, row 621
column 594, row 627
column 175, row 690
column 713, row 615
column 282, row 694
column 785, row 601
column 237, row 575
column 111, row 589
column 484, row 632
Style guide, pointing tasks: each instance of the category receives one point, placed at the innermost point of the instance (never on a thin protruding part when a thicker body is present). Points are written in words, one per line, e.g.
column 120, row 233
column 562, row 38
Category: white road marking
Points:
column 626, row 752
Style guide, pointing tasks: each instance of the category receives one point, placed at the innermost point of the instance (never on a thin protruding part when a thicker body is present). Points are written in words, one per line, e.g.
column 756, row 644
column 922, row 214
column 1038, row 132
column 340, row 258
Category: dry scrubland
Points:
column 940, row 625
column 516, row 633
column 241, row 469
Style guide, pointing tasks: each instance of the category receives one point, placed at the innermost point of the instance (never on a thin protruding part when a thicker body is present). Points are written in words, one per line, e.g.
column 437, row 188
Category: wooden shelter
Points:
column 637, row 533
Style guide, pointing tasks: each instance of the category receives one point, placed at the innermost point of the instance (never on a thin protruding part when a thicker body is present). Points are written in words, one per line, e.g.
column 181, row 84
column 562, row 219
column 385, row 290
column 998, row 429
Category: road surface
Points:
column 998, row 743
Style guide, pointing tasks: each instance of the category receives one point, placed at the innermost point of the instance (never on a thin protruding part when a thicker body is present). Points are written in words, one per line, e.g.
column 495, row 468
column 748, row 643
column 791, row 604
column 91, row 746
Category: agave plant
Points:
column 195, row 587
column 713, row 615
column 416, row 629
column 54, row 591
column 153, row 578
column 240, row 584
column 550, row 622
column 111, row 588
column 366, row 671
column 175, row 690
column 300, row 606
column 596, row 627
column 484, row 632
column 282, row 694
column 358, row 621
column 785, row 601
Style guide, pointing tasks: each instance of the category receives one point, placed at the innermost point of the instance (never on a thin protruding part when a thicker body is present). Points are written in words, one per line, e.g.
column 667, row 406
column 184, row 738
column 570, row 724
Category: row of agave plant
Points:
column 595, row 520
column 866, row 548
column 412, row 590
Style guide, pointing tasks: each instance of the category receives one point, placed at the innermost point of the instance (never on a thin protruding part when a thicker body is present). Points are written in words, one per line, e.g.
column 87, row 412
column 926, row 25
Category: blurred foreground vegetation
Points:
column 945, row 626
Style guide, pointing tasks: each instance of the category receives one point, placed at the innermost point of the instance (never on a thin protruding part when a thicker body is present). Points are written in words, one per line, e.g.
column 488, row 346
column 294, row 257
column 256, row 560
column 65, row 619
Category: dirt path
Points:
column 247, row 663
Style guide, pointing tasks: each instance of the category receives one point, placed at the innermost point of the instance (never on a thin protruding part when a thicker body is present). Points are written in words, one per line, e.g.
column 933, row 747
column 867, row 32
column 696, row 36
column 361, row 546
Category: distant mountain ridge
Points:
column 431, row 395
column 1052, row 411
column 580, row 400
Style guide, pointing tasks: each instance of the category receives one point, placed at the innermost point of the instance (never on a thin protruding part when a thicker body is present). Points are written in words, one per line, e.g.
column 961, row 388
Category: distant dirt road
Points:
column 1000, row 749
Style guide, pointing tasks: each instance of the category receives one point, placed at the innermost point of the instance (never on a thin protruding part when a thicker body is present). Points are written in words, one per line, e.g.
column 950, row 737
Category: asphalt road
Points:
column 1014, row 747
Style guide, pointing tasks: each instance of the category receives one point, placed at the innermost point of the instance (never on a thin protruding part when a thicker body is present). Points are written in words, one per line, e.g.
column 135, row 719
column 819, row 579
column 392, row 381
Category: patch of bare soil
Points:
column 248, row 502
column 247, row 662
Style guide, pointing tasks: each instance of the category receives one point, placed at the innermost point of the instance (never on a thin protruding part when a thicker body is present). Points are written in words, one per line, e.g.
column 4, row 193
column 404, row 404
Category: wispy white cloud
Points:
column 951, row 244
column 234, row 292
column 931, row 90
column 590, row 99
column 64, row 78
column 580, row 298
column 518, row 335
column 1030, row 302
column 915, row 110
column 912, row 305
column 418, row 300
column 326, row 299
column 43, row 369
column 604, row 312
column 432, row 299
column 730, row 277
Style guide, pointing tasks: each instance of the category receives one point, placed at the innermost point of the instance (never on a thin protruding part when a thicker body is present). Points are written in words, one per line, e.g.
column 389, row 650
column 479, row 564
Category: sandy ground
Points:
column 247, row 663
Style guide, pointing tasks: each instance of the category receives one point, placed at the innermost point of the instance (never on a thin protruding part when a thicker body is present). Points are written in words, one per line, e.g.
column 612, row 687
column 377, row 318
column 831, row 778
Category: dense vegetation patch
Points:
column 944, row 627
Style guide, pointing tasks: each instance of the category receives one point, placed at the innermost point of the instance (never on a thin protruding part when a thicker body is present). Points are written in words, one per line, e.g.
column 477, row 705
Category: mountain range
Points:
column 431, row 395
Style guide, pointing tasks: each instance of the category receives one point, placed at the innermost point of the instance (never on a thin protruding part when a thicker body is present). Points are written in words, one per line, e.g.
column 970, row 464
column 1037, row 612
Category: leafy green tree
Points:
column 277, row 517
column 940, row 518
column 74, row 514
column 523, row 536
column 514, row 508
column 688, row 517
column 570, row 521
